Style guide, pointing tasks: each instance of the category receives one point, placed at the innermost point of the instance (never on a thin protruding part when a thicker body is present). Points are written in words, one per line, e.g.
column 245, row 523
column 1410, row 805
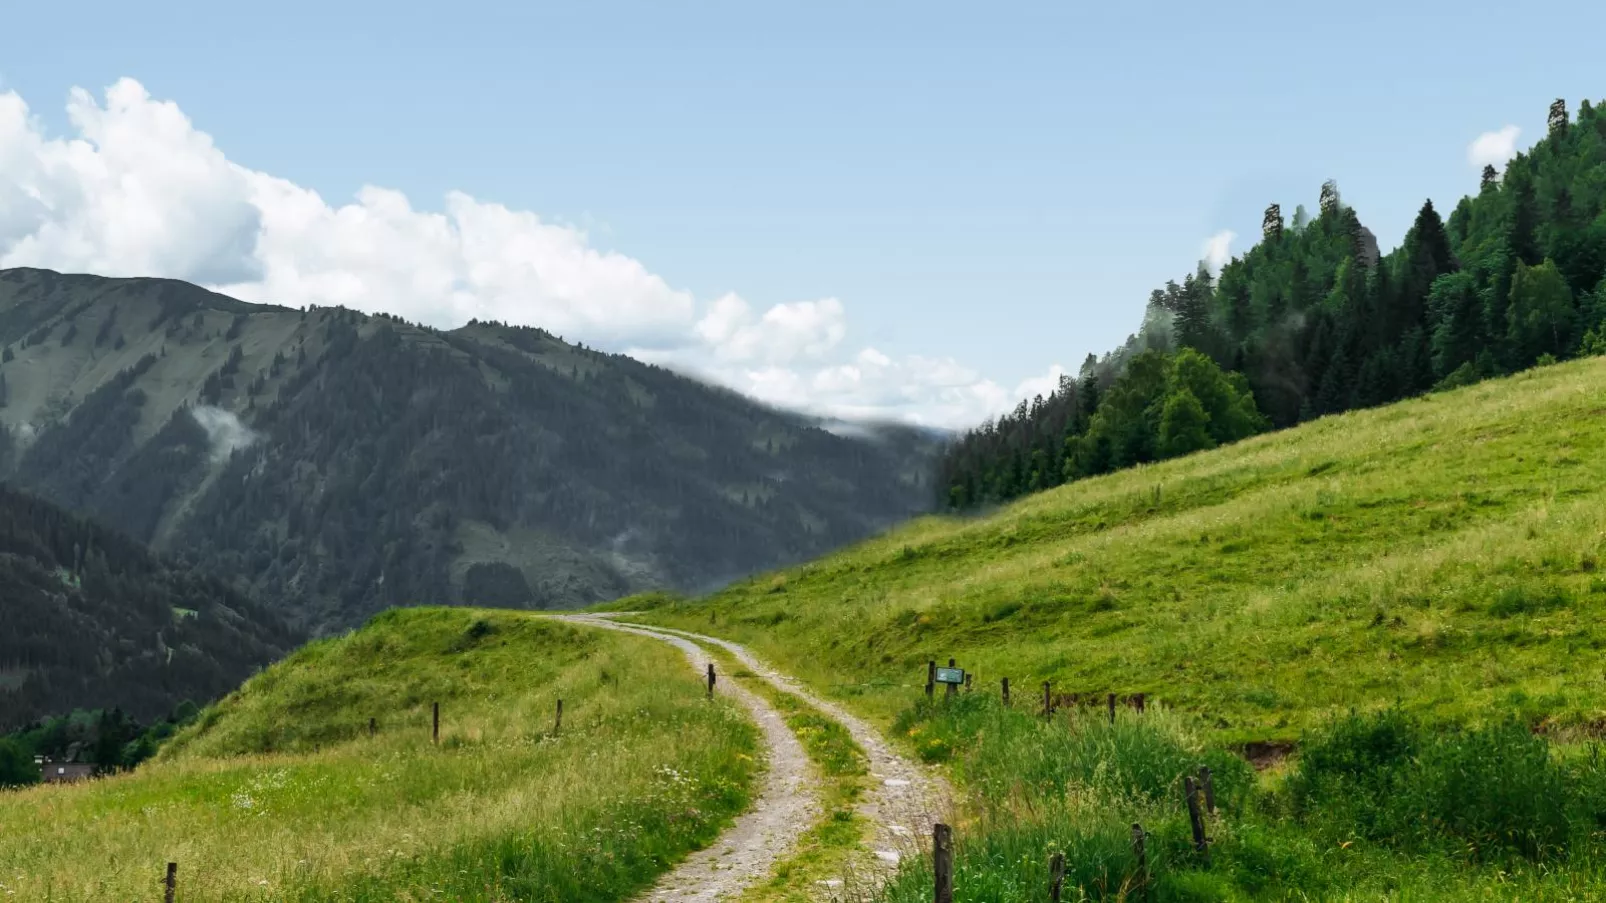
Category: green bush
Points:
column 1485, row 792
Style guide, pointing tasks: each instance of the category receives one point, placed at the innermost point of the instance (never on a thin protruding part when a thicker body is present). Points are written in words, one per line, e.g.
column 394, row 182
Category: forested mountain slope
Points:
column 334, row 463
column 90, row 619
column 1312, row 320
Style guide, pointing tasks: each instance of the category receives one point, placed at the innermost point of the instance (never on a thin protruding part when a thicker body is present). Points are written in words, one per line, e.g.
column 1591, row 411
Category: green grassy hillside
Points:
column 278, row 793
column 1445, row 552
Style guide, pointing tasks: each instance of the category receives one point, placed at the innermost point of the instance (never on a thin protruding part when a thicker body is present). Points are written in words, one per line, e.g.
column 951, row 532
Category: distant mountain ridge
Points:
column 89, row 618
column 334, row 463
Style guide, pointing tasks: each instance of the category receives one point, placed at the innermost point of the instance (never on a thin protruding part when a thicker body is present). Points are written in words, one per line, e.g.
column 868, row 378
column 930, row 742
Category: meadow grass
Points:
column 1378, row 807
column 1444, row 552
column 278, row 793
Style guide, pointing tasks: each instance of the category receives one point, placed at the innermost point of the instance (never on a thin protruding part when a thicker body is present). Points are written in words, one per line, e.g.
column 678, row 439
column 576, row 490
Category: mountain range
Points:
column 332, row 464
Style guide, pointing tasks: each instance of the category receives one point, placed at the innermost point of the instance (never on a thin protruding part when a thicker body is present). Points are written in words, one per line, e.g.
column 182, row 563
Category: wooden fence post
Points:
column 1137, row 702
column 1048, row 701
column 1209, row 786
column 1112, row 708
column 1194, row 818
column 1141, row 854
column 952, row 688
column 710, row 680
column 1006, row 691
column 1056, row 877
column 435, row 733
column 557, row 724
column 942, row 857
column 931, row 678
column 373, row 726
column 968, row 676
column 171, row 884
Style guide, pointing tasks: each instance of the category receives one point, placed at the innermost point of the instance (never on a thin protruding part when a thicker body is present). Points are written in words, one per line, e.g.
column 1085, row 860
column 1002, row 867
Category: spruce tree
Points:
column 1271, row 225
column 1556, row 122
column 1328, row 203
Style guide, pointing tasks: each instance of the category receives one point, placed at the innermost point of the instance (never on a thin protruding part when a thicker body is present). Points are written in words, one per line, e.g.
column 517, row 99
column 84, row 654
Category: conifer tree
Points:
column 1271, row 225
column 1556, row 122
column 1328, row 203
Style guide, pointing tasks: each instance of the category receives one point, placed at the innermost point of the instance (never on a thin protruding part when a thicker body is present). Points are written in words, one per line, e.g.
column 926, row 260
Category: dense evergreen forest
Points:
column 1313, row 321
column 90, row 619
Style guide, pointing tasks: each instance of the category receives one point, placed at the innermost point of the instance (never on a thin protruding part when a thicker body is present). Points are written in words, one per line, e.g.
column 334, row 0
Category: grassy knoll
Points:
column 1445, row 552
column 278, row 792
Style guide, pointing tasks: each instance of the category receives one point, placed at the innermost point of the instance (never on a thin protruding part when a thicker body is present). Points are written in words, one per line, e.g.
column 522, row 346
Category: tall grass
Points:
column 1377, row 807
column 278, row 793
column 1486, row 793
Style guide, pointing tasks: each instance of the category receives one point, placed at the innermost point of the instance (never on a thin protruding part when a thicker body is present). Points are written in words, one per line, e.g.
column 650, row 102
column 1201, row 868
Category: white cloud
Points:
column 1493, row 148
column 139, row 191
column 1217, row 250
column 225, row 431
column 786, row 332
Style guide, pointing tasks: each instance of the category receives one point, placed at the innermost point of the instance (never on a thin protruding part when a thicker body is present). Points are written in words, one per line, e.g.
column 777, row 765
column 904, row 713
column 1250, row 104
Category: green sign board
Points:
column 950, row 675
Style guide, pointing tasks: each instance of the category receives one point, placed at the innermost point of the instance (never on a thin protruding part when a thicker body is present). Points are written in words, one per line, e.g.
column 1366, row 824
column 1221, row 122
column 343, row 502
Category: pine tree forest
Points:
column 1312, row 320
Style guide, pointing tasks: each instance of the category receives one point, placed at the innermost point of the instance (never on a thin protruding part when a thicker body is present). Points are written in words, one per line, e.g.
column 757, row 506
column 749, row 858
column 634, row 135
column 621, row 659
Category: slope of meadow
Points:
column 1412, row 593
column 279, row 792
column 1443, row 552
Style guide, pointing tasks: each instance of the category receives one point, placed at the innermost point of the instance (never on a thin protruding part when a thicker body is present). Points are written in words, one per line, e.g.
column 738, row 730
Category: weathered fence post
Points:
column 435, row 733
column 952, row 688
column 373, row 726
column 1006, row 691
column 710, row 680
column 1048, row 701
column 1209, row 786
column 1197, row 820
column 942, row 858
column 1141, row 855
column 557, row 723
column 1112, row 708
column 1137, row 702
column 1056, row 877
column 931, row 678
column 171, row 884
column 968, row 676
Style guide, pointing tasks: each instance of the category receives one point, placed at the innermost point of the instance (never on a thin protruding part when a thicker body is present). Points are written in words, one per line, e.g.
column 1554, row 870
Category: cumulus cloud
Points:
column 1218, row 250
column 225, row 431
column 1493, row 148
column 783, row 334
column 138, row 190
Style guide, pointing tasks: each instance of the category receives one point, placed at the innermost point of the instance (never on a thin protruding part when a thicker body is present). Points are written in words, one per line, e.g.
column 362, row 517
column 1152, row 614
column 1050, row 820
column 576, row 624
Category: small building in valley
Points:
column 53, row 772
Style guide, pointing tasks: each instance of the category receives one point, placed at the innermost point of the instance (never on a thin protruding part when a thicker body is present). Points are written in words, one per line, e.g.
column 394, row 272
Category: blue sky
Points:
column 996, row 186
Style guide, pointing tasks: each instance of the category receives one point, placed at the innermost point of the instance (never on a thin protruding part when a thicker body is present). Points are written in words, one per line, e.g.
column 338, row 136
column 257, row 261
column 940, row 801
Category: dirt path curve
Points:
column 904, row 799
column 752, row 846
